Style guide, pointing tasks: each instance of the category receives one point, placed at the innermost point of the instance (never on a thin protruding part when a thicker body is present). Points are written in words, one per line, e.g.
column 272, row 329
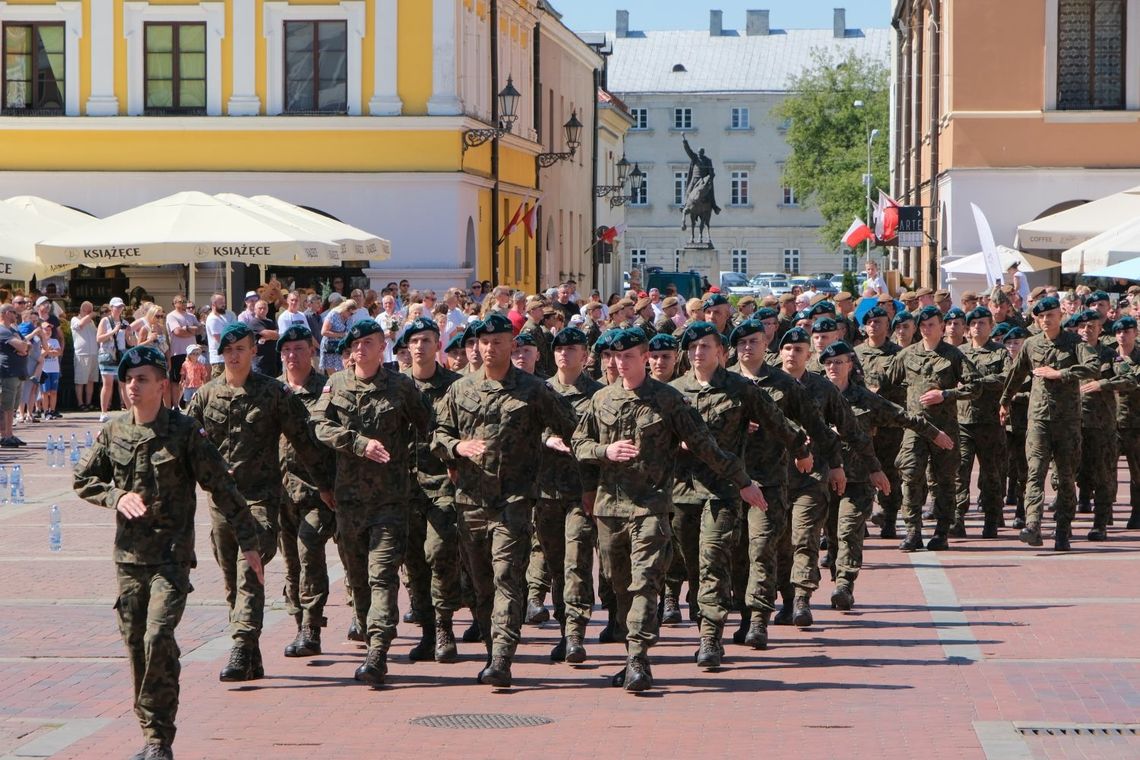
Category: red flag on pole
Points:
column 511, row 225
column 887, row 223
column 857, row 233
column 530, row 221
column 611, row 233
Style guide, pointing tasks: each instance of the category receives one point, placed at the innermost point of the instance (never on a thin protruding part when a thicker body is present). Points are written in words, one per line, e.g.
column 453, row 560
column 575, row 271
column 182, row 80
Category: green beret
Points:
column 696, row 331
column 1050, row 303
column 494, row 324
column 1000, row 329
column 470, row 332
column 801, row 315
column 823, row 307
column 400, row 343
column 630, row 337
column 824, row 325
column 1088, row 315
column 142, row 356
column 929, row 312
column 981, row 312
column 744, row 329
column 1017, row 333
column 766, row 312
column 900, row 317
column 875, row 312
column 1095, row 296
column 456, row 342
column 363, row 329
column 525, row 339
column 793, row 336
column 234, row 332
column 716, row 299
column 955, row 313
column 1124, row 323
column 570, row 336
column 838, row 348
column 605, row 340
column 663, row 342
column 419, row 325
column 295, row 332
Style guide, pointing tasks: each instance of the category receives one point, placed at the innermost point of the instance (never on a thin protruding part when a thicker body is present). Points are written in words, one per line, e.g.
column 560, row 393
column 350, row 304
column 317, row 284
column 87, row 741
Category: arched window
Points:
column 1090, row 54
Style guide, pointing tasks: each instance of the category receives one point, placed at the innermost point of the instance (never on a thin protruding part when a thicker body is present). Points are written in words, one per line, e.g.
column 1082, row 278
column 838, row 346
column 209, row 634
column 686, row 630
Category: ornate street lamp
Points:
column 508, row 110
column 572, row 130
column 636, row 180
column 601, row 191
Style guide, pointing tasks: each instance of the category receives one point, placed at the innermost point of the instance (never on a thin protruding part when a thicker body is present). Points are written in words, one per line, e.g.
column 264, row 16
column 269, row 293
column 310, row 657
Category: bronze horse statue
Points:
column 698, row 209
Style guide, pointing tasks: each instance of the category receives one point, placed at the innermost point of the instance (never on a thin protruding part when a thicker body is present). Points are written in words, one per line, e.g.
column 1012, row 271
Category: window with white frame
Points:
column 640, row 118
column 1090, row 54
column 33, row 74
column 682, row 118
column 789, row 195
column 738, row 194
column 679, row 188
column 316, row 67
column 637, row 257
column 639, row 196
column 792, row 260
column 740, row 260
column 740, row 118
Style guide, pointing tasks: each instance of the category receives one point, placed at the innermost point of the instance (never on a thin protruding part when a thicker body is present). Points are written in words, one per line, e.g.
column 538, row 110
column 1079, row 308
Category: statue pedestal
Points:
column 703, row 258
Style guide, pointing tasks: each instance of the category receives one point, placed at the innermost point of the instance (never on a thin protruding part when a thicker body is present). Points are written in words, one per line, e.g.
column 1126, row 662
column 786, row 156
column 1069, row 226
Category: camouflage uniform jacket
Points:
column 559, row 474
column 992, row 362
column 430, row 471
column 944, row 369
column 837, row 414
column 872, row 412
column 1098, row 410
column 245, row 424
column 387, row 408
column 511, row 417
column 298, row 487
column 1053, row 400
column 645, row 326
column 1126, row 383
column 727, row 404
column 664, row 325
column 769, row 464
column 876, row 361
column 161, row 463
column 545, row 364
column 657, row 419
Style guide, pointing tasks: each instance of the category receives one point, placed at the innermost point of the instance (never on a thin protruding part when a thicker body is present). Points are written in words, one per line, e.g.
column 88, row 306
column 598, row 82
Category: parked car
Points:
column 821, row 286
column 734, row 283
column 775, row 285
column 688, row 284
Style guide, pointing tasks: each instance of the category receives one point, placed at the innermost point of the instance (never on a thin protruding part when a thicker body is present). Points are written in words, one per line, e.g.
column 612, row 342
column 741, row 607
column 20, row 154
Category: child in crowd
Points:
column 195, row 372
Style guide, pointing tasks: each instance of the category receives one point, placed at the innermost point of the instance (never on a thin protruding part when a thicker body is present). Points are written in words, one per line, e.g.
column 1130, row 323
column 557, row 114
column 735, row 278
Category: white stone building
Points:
column 720, row 87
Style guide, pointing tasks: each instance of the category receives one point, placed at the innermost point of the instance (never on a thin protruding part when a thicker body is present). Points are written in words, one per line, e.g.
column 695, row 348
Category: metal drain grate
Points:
column 481, row 720
column 1076, row 729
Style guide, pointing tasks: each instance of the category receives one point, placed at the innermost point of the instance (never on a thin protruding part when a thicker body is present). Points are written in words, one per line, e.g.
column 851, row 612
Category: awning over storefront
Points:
column 1119, row 243
column 355, row 243
column 23, row 222
column 1074, row 226
column 975, row 263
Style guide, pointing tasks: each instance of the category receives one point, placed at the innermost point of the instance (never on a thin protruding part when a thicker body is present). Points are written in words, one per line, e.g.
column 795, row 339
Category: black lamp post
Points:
column 636, row 180
column 508, row 110
column 601, row 191
column 572, row 130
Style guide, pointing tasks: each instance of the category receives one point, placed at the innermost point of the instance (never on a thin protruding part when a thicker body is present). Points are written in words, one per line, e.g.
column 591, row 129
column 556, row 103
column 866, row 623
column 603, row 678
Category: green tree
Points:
column 828, row 137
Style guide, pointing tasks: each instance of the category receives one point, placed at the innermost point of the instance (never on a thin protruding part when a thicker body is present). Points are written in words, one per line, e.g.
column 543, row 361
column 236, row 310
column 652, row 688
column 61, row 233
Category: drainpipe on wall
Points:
column 494, row 17
column 541, row 128
column 597, row 267
column 935, row 115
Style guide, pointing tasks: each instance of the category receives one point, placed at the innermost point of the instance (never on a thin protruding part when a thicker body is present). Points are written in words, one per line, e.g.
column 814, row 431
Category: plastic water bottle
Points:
column 16, row 485
column 87, row 440
column 49, row 447
column 55, row 530
column 74, row 454
column 60, row 452
column 3, row 484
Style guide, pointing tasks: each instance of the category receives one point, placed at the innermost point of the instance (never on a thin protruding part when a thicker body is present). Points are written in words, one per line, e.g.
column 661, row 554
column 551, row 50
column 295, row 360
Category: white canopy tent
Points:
column 1074, row 226
column 46, row 209
column 1117, row 244
column 975, row 263
column 22, row 225
column 356, row 243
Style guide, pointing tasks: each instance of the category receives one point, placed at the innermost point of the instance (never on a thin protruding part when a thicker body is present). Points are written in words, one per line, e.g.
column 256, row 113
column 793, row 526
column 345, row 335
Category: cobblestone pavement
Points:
column 990, row 650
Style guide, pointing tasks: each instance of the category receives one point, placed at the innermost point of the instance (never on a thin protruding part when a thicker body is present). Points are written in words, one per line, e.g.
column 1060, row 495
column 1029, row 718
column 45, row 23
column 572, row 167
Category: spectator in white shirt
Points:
column 292, row 314
column 874, row 281
column 248, row 317
column 215, row 324
column 86, row 350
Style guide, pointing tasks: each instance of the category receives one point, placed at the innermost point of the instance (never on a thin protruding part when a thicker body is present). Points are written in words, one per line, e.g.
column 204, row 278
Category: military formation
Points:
column 705, row 457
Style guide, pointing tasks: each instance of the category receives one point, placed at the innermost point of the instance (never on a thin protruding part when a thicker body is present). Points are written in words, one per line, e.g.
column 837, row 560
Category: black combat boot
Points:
column 913, row 540
column 291, row 647
column 354, row 632
column 255, row 661
column 990, row 528
column 741, row 632
column 445, row 649
column 784, row 614
column 937, row 542
column 842, row 598
column 497, row 673
column 575, row 648
column 958, row 526
column 757, row 637
column 801, row 611
column 307, row 643
column 710, row 652
column 889, row 530
column 558, row 653
column 413, row 615
column 158, row 751
column 1019, row 514
column 472, row 634
column 637, row 675
column 1084, row 503
column 425, row 649
column 536, row 612
column 1061, row 539
column 375, row 667
column 671, row 611
column 1098, row 533
column 1030, row 534
column 609, row 633
column 240, row 665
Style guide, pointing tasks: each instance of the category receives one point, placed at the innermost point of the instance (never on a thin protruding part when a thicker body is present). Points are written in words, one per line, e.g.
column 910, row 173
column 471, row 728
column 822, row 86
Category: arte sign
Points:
column 910, row 234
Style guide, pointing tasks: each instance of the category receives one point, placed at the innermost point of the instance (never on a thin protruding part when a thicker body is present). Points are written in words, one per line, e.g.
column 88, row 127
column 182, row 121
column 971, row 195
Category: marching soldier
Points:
column 875, row 355
column 644, row 322
column 1128, row 411
column 535, row 311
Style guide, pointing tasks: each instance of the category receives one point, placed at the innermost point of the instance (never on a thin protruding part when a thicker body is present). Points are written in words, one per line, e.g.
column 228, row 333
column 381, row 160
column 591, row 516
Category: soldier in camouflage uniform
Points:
column 1059, row 363
column 1128, row 411
column 245, row 414
column 535, row 311
column 980, row 433
column 644, row 322
column 306, row 522
column 432, row 558
column 767, row 544
column 489, row 426
column 632, row 430
column 934, row 373
column 1096, row 474
column 852, row 508
column 144, row 465
column 875, row 355
column 565, row 531
column 665, row 323
column 728, row 404
column 1016, row 425
column 371, row 417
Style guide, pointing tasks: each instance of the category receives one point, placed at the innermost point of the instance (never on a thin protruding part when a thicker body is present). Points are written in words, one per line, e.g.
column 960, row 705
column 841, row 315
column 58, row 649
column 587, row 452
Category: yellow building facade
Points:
column 356, row 108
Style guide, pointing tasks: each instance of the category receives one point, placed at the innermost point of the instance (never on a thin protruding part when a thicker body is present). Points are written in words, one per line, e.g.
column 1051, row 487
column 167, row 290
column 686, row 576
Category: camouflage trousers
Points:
column 686, row 562
column 432, row 559
column 374, row 552
column 808, row 515
column 914, row 456
column 1096, row 475
column 305, row 530
column 1056, row 442
column 1128, row 441
column 245, row 594
column 151, row 601
column 719, row 534
column 568, row 537
column 887, row 442
column 495, row 541
column 759, row 552
column 635, row 552
column 538, row 578
column 846, row 528
column 986, row 443
column 1015, row 457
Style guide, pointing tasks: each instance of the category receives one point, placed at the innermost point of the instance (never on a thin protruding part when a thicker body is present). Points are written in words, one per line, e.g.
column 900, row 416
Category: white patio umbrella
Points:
column 187, row 228
column 1120, row 243
column 42, row 207
column 357, row 243
column 975, row 264
column 20, row 229
column 1129, row 269
column 1073, row 226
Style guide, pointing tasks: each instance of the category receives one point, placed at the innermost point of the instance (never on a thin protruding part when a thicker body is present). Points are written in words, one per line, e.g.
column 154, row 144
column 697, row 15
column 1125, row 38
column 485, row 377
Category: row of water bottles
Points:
column 11, row 485
column 59, row 452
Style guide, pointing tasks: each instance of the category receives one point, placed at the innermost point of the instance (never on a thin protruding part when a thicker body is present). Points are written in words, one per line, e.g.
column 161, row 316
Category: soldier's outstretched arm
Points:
column 330, row 429
column 969, row 384
column 850, row 431
column 446, row 436
column 823, row 438
column 691, row 429
column 762, row 410
column 213, row 475
column 94, row 479
column 1088, row 367
column 586, row 444
column 1017, row 374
